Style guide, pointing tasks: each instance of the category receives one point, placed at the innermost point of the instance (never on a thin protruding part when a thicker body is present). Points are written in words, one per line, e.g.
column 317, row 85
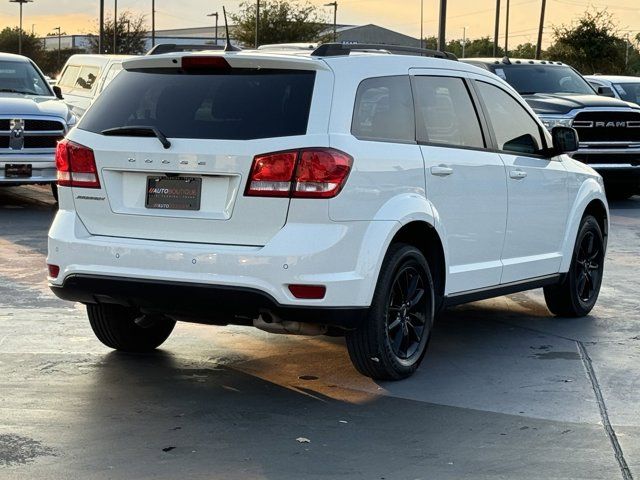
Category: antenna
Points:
column 228, row 47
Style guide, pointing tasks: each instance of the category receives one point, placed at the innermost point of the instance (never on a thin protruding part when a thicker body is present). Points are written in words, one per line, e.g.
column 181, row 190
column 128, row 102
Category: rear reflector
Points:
column 54, row 270
column 306, row 173
column 308, row 292
column 200, row 62
column 76, row 165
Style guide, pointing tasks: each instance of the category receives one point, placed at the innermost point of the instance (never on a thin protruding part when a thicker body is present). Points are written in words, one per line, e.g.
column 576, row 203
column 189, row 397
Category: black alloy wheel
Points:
column 406, row 318
column 393, row 338
column 588, row 269
column 577, row 294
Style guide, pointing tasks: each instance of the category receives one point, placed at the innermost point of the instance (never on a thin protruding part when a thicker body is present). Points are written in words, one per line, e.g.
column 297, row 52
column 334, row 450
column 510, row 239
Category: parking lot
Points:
column 506, row 390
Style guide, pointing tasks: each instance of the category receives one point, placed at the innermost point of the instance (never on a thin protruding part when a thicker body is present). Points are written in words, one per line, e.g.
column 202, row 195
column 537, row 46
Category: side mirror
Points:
column 606, row 92
column 58, row 91
column 565, row 139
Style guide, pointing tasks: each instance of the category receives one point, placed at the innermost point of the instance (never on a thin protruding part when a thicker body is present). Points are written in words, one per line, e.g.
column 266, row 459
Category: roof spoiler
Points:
column 172, row 47
column 340, row 49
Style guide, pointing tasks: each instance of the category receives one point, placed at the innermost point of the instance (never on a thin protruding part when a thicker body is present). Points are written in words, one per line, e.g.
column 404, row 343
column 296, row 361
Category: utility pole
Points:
column 540, row 28
column 59, row 44
column 101, row 38
column 153, row 23
column 442, row 26
column 626, row 54
column 257, row 21
column 335, row 19
column 496, row 32
column 215, row 14
column 506, row 33
column 464, row 40
column 21, row 2
column 421, row 23
column 115, row 26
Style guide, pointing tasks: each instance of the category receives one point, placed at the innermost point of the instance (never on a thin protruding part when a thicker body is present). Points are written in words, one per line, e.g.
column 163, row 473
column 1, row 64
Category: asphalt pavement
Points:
column 506, row 390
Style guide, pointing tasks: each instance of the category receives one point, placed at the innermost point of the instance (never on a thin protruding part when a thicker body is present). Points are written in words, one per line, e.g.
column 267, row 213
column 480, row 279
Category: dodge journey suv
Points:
column 339, row 191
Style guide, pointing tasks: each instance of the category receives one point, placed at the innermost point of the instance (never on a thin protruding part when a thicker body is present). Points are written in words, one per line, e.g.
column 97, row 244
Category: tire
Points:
column 578, row 293
column 116, row 328
column 387, row 348
column 54, row 191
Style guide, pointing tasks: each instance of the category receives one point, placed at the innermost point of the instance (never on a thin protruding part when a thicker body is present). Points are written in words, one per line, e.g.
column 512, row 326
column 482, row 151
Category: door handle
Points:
column 441, row 171
column 517, row 174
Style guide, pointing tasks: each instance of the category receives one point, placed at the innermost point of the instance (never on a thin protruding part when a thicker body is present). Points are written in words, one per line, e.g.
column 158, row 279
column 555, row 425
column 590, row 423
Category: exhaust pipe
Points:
column 269, row 322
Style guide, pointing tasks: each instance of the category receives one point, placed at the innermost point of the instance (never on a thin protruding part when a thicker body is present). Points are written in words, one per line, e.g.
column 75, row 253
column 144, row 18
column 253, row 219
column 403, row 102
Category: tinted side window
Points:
column 514, row 128
column 445, row 112
column 115, row 69
column 384, row 110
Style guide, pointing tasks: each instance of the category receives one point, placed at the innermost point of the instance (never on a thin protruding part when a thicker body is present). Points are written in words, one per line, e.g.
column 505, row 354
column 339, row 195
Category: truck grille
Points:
column 34, row 134
column 608, row 126
column 633, row 159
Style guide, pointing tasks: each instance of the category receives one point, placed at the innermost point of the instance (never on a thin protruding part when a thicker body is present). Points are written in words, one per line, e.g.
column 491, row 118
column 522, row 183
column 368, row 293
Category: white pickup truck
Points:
column 33, row 118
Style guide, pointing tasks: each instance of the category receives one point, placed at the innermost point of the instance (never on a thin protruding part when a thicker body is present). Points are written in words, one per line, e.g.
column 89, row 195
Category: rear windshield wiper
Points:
column 138, row 131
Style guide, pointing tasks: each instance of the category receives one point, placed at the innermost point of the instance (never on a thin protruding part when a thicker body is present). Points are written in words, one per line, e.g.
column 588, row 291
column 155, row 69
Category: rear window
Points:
column 237, row 104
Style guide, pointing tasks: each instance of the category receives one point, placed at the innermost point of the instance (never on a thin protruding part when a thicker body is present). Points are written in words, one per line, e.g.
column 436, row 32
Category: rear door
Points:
column 537, row 186
column 217, row 121
column 465, row 182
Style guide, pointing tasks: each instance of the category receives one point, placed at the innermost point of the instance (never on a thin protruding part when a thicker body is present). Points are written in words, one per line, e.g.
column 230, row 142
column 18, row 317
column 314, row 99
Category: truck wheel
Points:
column 393, row 338
column 578, row 293
column 115, row 327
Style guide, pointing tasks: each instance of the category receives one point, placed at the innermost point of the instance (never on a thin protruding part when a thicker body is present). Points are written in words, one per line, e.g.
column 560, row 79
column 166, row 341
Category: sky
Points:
column 80, row 16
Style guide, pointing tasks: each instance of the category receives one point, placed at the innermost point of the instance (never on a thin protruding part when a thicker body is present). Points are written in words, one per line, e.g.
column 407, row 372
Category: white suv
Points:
column 327, row 192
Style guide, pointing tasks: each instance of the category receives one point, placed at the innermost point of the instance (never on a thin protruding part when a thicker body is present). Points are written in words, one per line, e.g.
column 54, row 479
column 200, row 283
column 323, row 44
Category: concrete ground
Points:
column 505, row 392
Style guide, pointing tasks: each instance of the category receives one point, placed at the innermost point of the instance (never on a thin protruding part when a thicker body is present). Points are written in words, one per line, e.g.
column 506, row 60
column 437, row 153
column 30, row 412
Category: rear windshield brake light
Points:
column 200, row 62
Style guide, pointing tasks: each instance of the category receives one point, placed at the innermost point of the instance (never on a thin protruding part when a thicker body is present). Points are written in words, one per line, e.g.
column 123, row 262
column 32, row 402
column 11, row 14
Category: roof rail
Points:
column 339, row 49
column 172, row 47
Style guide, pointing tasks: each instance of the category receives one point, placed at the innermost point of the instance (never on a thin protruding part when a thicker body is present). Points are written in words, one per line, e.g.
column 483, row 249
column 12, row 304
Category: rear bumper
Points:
column 344, row 257
column 199, row 302
column 43, row 168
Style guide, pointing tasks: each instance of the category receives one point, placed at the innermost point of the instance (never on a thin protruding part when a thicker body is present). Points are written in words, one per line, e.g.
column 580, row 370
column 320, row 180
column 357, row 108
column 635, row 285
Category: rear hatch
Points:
column 218, row 115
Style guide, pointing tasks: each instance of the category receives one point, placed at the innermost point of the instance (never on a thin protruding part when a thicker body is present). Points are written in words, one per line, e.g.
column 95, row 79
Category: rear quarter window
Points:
column 384, row 110
column 237, row 104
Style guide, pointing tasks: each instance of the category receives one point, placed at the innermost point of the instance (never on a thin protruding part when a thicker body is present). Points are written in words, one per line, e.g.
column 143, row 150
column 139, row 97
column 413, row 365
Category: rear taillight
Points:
column 76, row 166
column 306, row 173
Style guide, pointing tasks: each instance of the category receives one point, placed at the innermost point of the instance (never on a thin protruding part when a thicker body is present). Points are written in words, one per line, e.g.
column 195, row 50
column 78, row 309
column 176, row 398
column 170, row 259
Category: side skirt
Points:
column 499, row 290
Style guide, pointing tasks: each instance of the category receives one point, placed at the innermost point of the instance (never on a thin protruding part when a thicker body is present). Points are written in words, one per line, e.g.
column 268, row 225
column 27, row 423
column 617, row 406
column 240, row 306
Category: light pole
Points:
column 497, row 29
column 115, row 26
column 215, row 14
column 421, row 23
column 335, row 19
column 101, row 38
column 464, row 40
column 506, row 32
column 442, row 26
column 257, row 21
column 21, row 2
column 153, row 23
column 59, row 44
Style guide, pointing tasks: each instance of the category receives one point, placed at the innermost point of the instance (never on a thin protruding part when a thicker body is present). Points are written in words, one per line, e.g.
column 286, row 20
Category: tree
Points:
column 591, row 44
column 281, row 21
column 31, row 45
column 131, row 35
column 524, row 50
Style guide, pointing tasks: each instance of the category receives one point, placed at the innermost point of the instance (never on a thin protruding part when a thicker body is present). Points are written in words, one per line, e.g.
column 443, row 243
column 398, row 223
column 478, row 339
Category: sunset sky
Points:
column 80, row 16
